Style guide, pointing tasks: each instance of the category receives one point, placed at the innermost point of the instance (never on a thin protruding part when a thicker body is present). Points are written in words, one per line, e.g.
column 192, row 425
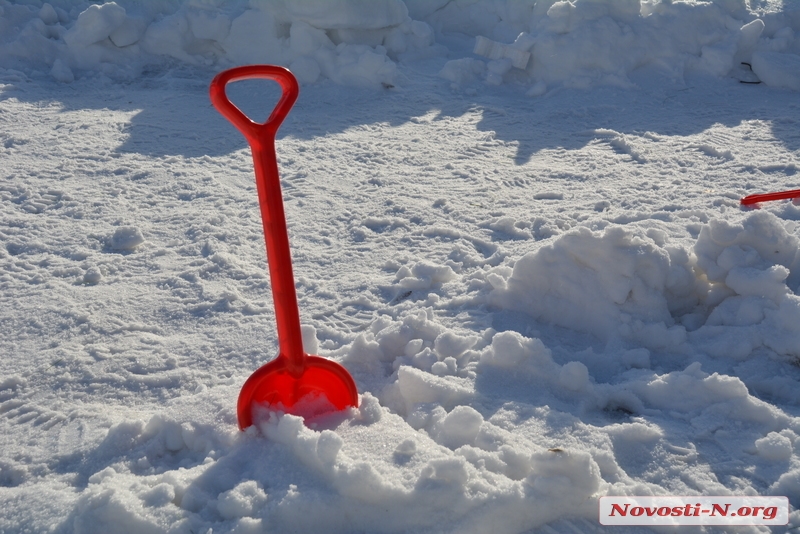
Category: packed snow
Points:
column 515, row 222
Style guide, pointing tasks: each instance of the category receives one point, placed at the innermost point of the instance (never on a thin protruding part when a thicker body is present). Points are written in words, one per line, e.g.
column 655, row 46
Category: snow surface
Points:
column 540, row 278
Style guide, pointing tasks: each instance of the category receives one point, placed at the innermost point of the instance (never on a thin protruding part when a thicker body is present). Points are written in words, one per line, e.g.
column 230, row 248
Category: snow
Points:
column 778, row 69
column 515, row 223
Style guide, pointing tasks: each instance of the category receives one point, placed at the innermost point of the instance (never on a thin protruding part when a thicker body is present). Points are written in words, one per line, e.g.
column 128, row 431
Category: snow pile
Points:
column 126, row 238
column 352, row 43
column 437, row 459
column 619, row 283
column 730, row 292
column 777, row 69
column 541, row 44
column 582, row 43
column 164, row 480
column 754, row 271
column 433, row 451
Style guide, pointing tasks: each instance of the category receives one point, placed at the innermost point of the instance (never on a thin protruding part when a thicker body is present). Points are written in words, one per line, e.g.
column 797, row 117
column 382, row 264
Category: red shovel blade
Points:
column 294, row 382
column 323, row 386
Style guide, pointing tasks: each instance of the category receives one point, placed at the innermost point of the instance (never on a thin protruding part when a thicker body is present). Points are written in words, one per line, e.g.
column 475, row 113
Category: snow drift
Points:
column 576, row 43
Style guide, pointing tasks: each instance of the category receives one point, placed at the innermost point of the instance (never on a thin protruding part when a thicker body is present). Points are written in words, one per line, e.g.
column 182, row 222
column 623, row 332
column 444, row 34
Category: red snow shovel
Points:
column 294, row 382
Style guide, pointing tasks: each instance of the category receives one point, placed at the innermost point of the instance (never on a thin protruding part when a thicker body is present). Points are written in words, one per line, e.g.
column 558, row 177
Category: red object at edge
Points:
column 294, row 374
column 766, row 197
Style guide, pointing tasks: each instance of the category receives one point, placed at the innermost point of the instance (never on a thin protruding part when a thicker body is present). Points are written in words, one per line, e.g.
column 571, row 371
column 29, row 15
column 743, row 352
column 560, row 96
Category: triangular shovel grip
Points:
column 253, row 131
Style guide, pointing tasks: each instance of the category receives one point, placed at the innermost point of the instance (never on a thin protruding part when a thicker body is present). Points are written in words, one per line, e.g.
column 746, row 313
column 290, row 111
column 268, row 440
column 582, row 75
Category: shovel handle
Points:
column 261, row 137
column 766, row 197
column 255, row 132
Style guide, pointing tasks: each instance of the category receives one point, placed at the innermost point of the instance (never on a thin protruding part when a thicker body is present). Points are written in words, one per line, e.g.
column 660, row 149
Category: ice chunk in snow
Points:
column 565, row 471
column 496, row 69
column 304, row 39
column 748, row 36
column 369, row 408
column 767, row 282
column 421, row 9
column 209, row 24
column 126, row 238
column 739, row 311
column 459, row 427
column 253, row 38
column 695, row 391
column 449, row 344
column 129, row 32
column 408, row 37
column 95, row 24
column 169, row 37
column 759, row 242
column 62, row 72
column 449, row 471
column 305, row 69
column 309, row 406
column 369, row 35
column 416, row 387
column 242, row 501
column 92, row 275
column 423, row 275
column 774, row 447
column 462, row 71
column 48, row 14
column 574, row 376
column 512, row 350
column 493, row 50
column 636, row 286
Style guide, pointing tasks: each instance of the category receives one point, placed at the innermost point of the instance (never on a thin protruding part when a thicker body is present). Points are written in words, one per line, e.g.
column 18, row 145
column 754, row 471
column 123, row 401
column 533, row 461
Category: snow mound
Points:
column 582, row 43
column 732, row 293
column 778, row 69
column 166, row 474
column 429, row 453
column 618, row 282
column 126, row 238
column 754, row 270
column 350, row 42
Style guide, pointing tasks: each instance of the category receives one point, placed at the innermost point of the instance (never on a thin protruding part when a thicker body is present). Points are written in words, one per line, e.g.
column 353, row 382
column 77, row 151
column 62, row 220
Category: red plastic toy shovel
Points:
column 766, row 197
column 294, row 382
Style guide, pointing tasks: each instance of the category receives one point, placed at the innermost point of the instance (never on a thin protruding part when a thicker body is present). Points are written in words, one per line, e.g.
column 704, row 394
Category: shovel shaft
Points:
column 766, row 197
column 279, row 257
column 261, row 138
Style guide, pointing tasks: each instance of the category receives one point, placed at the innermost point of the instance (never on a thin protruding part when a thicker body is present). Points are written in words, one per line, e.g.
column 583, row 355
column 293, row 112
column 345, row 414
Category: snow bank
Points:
column 615, row 283
column 754, row 270
column 427, row 452
column 582, row 43
column 730, row 292
column 778, row 69
column 372, row 469
column 350, row 42
column 541, row 44
column 166, row 474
